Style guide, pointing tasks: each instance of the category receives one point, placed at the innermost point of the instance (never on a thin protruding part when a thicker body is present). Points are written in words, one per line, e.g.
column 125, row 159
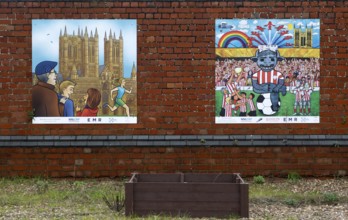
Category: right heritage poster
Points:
column 267, row 71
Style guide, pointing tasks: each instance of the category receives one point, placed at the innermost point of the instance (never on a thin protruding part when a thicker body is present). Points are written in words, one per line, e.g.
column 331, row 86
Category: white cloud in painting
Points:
column 314, row 24
column 299, row 24
column 283, row 22
column 243, row 24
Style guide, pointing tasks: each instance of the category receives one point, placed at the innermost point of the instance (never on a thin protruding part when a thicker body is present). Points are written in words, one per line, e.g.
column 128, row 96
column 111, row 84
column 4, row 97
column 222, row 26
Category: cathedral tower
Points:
column 113, row 54
column 78, row 53
column 303, row 37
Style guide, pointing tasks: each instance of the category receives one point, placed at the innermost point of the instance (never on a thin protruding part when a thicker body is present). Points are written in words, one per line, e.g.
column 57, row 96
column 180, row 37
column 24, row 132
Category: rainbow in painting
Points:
column 232, row 36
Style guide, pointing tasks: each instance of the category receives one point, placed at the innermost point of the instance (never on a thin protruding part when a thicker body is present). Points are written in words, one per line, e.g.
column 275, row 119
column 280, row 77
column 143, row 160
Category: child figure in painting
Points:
column 92, row 99
column 66, row 104
column 234, row 104
column 226, row 106
column 242, row 105
column 250, row 101
column 306, row 99
column 298, row 91
column 118, row 99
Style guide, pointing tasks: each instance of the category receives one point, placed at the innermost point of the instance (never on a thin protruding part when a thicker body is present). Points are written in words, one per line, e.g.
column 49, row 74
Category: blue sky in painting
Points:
column 248, row 26
column 45, row 38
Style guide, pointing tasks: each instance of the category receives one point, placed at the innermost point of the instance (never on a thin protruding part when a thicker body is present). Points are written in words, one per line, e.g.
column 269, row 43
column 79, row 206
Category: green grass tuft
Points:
column 259, row 180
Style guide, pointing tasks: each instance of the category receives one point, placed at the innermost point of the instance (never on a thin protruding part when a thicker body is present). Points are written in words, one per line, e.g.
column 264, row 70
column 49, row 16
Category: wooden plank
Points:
column 194, row 214
column 187, row 187
column 211, row 178
column 244, row 200
column 183, row 196
column 186, row 206
column 159, row 177
column 129, row 205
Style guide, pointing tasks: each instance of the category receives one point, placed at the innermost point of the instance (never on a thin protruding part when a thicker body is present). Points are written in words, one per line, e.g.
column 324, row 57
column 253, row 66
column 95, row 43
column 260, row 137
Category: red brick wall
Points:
column 176, row 91
column 122, row 161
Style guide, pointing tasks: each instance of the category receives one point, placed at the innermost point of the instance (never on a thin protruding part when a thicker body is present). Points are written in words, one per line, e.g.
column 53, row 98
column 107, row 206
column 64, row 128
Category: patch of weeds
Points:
column 330, row 198
column 115, row 201
column 259, row 179
column 79, row 185
column 294, row 177
column 41, row 186
column 292, row 202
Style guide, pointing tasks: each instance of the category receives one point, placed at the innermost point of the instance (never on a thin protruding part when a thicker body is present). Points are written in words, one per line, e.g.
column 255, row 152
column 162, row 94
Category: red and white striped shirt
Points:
column 224, row 100
column 242, row 107
column 298, row 94
column 231, row 87
column 267, row 77
column 307, row 95
column 228, row 110
column 251, row 105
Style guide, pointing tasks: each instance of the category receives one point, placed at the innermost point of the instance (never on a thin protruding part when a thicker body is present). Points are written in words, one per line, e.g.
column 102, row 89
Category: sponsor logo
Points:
column 73, row 119
column 111, row 120
column 273, row 119
column 92, row 120
column 246, row 119
column 304, row 119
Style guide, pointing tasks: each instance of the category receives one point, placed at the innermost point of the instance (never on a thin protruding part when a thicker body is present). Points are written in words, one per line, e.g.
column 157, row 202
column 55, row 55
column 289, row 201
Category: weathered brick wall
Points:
column 122, row 161
column 176, row 58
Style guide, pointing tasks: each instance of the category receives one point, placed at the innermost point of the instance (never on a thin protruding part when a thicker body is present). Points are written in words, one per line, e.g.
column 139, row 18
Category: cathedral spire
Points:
column 110, row 35
column 86, row 32
column 65, row 34
column 78, row 31
column 121, row 38
column 134, row 71
column 96, row 33
column 105, row 38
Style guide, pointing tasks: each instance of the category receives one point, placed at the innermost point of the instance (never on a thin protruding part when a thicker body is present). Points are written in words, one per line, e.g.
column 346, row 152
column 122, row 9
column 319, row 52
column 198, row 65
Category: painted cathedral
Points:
column 303, row 37
column 79, row 62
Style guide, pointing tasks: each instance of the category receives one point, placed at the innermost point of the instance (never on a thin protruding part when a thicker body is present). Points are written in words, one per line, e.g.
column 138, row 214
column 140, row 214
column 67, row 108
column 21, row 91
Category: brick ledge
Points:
column 174, row 140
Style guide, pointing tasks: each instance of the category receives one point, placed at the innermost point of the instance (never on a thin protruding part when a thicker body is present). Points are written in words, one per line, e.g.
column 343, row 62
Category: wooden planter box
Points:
column 194, row 195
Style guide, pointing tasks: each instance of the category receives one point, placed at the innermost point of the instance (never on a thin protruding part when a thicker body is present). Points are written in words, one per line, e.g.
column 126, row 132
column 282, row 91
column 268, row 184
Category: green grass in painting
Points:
column 286, row 107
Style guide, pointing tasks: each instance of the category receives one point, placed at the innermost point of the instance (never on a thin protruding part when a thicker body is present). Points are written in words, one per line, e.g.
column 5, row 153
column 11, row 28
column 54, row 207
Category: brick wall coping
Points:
column 174, row 140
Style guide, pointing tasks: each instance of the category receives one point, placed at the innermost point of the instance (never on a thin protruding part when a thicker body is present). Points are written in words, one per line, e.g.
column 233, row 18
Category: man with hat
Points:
column 45, row 99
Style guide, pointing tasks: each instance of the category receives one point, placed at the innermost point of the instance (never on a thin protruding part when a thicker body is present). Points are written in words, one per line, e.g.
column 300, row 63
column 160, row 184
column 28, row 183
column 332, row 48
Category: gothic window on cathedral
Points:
column 114, row 54
column 303, row 41
column 76, row 52
column 90, row 53
column 118, row 52
column 69, row 51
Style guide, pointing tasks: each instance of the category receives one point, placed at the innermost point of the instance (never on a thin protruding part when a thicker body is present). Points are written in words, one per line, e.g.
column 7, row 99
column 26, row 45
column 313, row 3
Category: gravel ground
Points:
column 276, row 210
column 318, row 212
column 271, row 207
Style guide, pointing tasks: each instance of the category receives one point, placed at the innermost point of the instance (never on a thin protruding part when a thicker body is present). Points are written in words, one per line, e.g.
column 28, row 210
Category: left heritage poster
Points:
column 84, row 71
